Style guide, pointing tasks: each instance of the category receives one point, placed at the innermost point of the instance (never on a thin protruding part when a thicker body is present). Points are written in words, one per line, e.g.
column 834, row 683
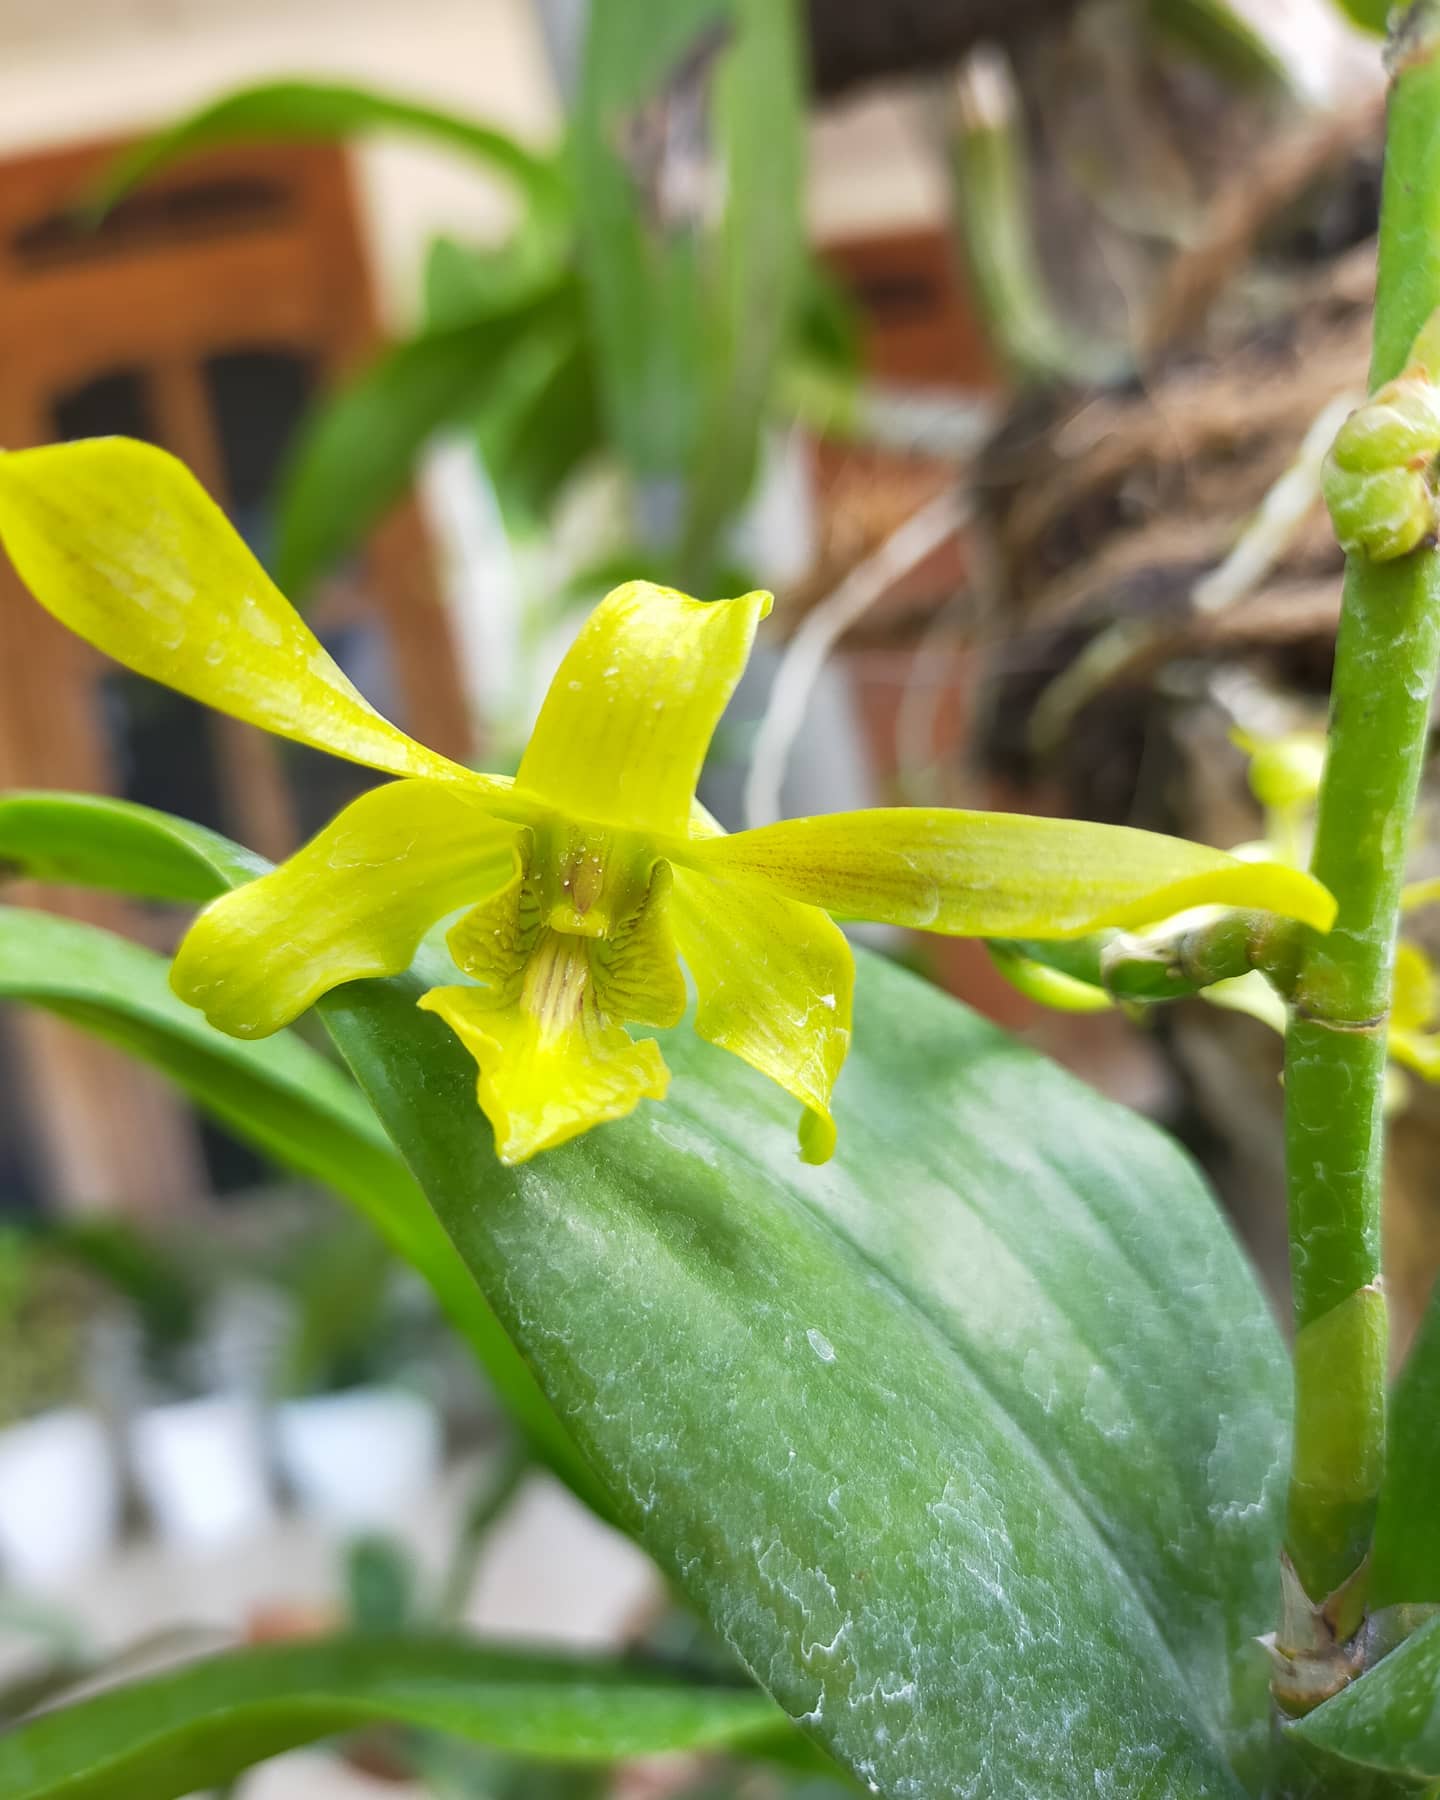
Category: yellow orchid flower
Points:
column 587, row 879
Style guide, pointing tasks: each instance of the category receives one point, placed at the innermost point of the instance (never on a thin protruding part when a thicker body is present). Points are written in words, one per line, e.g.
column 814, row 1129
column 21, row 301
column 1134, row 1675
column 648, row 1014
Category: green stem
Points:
column 1174, row 965
column 1385, row 668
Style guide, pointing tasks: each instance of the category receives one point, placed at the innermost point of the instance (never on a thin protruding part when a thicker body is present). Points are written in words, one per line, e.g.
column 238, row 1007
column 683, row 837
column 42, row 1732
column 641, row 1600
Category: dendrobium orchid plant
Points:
column 582, row 884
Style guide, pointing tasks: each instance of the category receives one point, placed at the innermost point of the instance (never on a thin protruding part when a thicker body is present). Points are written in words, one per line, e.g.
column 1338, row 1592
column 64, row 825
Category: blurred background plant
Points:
column 44, row 1333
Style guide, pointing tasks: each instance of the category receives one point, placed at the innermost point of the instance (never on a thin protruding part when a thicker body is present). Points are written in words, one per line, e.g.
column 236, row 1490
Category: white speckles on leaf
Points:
column 1001, row 1542
column 821, row 1345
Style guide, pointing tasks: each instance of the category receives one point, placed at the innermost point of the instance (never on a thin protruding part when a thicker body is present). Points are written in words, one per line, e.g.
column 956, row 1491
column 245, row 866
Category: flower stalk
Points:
column 1385, row 669
column 1144, row 969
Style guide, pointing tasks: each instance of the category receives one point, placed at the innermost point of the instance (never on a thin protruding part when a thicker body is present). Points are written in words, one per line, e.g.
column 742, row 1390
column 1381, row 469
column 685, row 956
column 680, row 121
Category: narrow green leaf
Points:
column 997, row 226
column 644, row 67
column 555, row 427
column 327, row 110
column 690, row 304
column 198, row 1726
column 1405, row 1565
column 464, row 283
column 90, row 841
column 1369, row 15
column 358, row 452
column 541, row 418
column 1388, row 1720
column 829, row 324
column 760, row 120
column 297, row 1106
column 280, row 1095
column 1219, row 35
column 968, row 1442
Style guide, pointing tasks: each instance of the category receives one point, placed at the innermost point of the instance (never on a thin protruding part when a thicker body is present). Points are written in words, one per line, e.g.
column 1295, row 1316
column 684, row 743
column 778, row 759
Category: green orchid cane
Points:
column 1381, row 488
column 588, row 878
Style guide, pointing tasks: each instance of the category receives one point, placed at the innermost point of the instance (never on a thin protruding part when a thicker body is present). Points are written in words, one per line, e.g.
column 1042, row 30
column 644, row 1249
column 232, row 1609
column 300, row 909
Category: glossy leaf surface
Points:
column 196, row 1727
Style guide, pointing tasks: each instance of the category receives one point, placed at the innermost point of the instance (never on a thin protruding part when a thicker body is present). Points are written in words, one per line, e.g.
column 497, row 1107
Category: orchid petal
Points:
column 631, row 711
column 552, row 1063
column 774, row 981
column 975, row 874
column 121, row 543
column 354, row 902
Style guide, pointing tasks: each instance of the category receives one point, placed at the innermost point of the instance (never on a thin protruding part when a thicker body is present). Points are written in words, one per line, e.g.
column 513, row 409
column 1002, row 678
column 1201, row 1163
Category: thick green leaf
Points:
column 327, row 110
column 198, row 1726
column 1406, row 1557
column 1389, row 1720
column 358, row 453
column 280, row 1095
column 968, row 1442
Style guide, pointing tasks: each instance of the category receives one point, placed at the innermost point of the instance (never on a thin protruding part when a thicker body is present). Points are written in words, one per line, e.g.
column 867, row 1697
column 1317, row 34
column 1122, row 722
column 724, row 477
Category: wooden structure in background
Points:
column 201, row 315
